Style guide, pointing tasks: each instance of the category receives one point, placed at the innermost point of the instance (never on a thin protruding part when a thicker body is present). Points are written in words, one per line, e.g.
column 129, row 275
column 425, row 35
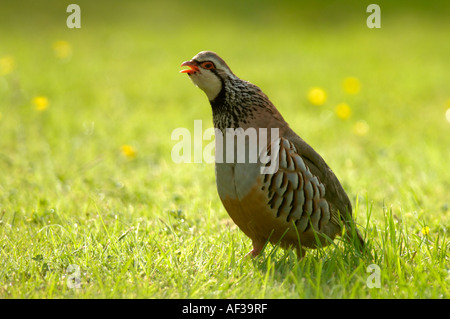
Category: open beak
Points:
column 191, row 65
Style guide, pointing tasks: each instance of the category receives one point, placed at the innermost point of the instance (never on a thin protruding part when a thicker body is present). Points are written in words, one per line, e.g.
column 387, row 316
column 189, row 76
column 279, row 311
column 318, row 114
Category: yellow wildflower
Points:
column 317, row 96
column 40, row 103
column 7, row 65
column 447, row 113
column 361, row 128
column 128, row 151
column 62, row 49
column 425, row 230
column 351, row 85
column 343, row 111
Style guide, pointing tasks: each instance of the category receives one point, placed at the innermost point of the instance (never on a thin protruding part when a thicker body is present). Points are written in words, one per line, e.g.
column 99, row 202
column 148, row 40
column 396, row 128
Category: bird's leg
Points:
column 257, row 248
column 301, row 251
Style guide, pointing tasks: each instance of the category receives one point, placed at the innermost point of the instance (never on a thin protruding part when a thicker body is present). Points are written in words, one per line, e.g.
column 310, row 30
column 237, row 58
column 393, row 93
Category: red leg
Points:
column 301, row 251
column 257, row 248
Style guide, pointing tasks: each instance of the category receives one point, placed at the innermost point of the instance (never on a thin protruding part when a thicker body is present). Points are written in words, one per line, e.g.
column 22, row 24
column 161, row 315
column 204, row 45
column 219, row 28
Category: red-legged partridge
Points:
column 302, row 203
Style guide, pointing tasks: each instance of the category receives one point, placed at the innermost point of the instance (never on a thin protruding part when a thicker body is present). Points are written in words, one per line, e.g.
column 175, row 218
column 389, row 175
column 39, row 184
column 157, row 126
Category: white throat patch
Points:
column 208, row 82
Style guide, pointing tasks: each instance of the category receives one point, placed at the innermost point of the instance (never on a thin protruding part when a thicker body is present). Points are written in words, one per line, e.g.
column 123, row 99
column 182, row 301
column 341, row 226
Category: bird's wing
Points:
column 341, row 208
column 334, row 192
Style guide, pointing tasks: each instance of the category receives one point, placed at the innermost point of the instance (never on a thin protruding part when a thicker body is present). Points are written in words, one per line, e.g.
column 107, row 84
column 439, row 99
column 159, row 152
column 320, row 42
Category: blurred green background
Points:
column 115, row 81
column 86, row 114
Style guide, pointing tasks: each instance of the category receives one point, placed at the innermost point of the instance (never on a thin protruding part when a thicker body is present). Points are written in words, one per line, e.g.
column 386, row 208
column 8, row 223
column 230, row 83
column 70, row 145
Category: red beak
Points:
column 192, row 67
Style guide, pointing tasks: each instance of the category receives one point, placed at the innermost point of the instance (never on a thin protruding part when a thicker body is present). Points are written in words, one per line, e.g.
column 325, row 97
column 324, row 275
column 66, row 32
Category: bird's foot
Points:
column 257, row 248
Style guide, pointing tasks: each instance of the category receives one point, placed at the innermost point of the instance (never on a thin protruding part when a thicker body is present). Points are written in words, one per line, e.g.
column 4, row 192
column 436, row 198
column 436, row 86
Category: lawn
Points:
column 93, row 206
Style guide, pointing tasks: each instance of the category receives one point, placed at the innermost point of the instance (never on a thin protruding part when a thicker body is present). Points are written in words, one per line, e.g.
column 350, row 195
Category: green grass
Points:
column 146, row 227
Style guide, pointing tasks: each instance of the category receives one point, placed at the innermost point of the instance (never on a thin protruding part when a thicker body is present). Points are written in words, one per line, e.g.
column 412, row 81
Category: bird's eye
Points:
column 208, row 65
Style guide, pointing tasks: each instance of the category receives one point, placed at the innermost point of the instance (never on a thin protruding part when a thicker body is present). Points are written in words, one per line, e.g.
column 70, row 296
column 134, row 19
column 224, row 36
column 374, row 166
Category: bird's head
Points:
column 209, row 72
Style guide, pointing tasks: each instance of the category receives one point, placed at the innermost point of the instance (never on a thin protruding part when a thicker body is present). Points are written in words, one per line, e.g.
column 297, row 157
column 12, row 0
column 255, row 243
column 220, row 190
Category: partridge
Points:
column 301, row 204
